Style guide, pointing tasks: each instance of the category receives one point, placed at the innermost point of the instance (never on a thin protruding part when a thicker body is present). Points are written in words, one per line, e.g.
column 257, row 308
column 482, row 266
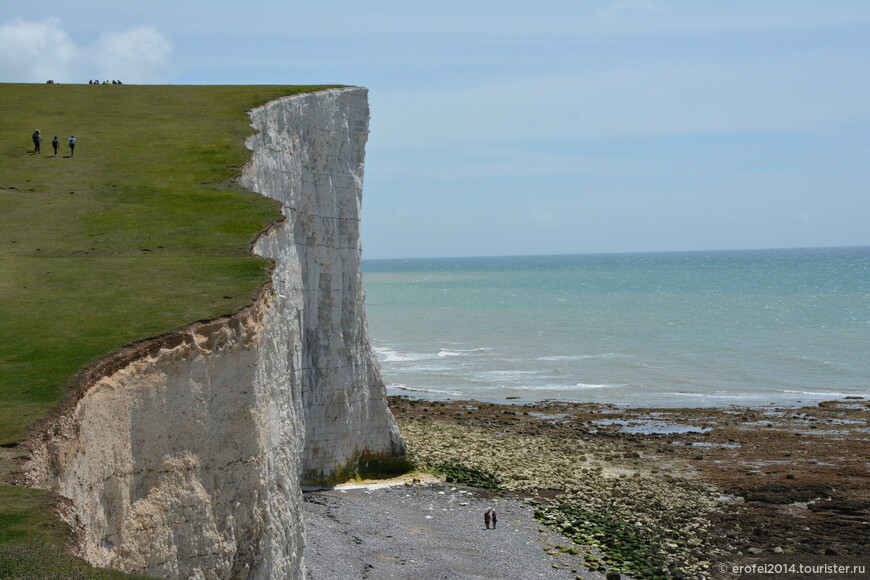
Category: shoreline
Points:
column 700, row 485
column 809, row 400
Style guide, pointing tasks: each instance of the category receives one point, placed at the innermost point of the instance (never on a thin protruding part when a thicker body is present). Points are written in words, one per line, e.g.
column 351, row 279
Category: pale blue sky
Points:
column 536, row 127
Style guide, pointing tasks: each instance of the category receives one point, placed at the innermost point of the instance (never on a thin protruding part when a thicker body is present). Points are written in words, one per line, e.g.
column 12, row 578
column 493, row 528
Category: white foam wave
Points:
column 506, row 379
column 471, row 350
column 424, row 368
column 831, row 394
column 401, row 387
column 501, row 374
column 557, row 387
column 389, row 355
column 714, row 395
column 386, row 354
column 445, row 353
column 594, row 386
column 558, row 357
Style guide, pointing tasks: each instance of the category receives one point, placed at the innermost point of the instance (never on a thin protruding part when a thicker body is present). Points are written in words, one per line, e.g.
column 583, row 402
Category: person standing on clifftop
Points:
column 72, row 146
column 36, row 141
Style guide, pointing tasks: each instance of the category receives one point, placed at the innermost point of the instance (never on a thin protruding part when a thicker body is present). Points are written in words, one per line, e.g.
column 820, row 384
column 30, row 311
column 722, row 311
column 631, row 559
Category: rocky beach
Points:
column 428, row 529
column 659, row 493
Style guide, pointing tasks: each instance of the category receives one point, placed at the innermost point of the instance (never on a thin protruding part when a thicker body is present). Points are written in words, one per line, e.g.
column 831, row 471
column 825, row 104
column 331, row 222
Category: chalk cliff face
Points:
column 308, row 154
column 185, row 456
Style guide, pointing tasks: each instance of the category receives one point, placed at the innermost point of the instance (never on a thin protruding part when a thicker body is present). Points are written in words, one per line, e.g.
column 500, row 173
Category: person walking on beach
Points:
column 36, row 141
column 72, row 146
column 493, row 518
column 486, row 518
column 55, row 143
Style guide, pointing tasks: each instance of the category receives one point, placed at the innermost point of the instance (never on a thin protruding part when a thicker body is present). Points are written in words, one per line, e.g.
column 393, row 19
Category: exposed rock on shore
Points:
column 587, row 476
column 664, row 493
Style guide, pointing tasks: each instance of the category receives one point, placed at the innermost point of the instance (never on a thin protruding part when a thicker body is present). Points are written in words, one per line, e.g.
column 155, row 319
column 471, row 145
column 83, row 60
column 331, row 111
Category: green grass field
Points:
column 139, row 233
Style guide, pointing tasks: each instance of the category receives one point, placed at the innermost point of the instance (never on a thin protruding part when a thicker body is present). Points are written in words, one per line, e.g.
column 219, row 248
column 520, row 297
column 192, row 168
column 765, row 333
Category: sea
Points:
column 685, row 329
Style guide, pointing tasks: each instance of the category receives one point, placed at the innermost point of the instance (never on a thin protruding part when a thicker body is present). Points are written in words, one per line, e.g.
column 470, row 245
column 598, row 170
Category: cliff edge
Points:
column 185, row 455
column 309, row 154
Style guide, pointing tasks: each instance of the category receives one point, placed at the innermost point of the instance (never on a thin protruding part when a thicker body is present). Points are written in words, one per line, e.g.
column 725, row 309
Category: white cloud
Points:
column 39, row 51
column 139, row 55
column 36, row 52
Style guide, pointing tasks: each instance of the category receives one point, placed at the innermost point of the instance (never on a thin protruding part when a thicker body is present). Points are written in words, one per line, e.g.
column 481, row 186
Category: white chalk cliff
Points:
column 184, row 456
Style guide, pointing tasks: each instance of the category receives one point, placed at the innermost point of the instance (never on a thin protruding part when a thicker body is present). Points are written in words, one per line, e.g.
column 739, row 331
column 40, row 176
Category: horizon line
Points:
column 620, row 253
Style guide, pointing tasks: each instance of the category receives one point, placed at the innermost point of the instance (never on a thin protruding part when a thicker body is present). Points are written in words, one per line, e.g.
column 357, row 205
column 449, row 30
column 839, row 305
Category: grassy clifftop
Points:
column 138, row 233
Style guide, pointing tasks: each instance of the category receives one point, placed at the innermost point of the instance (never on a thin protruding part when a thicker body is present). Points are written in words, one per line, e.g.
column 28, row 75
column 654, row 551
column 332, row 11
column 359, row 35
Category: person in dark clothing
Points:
column 493, row 518
column 55, row 143
column 36, row 141
column 72, row 146
column 486, row 518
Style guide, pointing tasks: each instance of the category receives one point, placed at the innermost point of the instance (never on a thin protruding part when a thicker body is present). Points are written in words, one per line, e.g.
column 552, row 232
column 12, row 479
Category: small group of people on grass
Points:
column 113, row 82
column 37, row 140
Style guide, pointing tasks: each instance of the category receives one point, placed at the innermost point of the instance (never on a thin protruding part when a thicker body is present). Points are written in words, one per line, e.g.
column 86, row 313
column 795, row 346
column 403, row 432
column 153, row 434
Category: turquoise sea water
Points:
column 664, row 329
